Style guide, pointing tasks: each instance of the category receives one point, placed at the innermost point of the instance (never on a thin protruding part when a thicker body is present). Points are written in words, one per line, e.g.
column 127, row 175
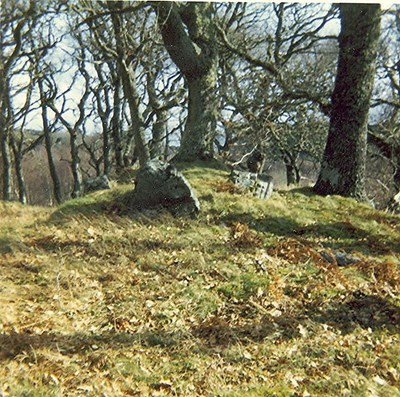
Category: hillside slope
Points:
column 243, row 301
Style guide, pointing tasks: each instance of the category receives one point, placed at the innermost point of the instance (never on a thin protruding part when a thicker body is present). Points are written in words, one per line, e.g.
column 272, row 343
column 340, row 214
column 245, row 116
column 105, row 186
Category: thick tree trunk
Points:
column 343, row 165
column 189, row 37
column 198, row 136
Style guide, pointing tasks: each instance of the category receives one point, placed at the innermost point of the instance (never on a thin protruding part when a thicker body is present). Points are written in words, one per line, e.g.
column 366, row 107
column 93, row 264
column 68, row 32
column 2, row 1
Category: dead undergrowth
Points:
column 238, row 302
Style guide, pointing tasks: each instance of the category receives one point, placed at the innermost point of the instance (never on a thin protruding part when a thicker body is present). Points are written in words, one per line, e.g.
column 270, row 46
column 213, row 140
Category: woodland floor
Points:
column 238, row 302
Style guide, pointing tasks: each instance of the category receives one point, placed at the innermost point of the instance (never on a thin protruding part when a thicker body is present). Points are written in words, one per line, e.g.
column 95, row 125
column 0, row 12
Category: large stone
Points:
column 260, row 186
column 98, row 183
column 160, row 184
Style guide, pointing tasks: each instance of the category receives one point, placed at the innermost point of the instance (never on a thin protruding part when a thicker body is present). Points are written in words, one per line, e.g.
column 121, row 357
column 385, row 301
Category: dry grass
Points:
column 238, row 302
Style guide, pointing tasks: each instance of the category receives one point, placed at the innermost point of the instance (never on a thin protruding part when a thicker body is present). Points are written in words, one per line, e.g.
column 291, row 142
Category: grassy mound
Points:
column 238, row 302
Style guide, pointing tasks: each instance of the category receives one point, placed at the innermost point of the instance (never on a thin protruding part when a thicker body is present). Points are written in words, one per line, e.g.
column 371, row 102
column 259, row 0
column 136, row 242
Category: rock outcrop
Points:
column 161, row 185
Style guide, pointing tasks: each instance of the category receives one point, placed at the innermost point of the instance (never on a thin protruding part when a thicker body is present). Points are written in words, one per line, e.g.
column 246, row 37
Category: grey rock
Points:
column 328, row 256
column 98, row 183
column 159, row 184
column 344, row 259
column 260, row 186
column 340, row 258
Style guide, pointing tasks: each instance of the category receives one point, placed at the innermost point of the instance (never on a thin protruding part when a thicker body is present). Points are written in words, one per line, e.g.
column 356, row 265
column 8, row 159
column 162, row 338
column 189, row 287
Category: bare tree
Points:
column 276, row 85
column 16, row 20
column 47, row 94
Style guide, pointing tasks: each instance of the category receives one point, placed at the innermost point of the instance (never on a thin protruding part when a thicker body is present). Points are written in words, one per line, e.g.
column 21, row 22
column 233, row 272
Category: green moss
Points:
column 243, row 286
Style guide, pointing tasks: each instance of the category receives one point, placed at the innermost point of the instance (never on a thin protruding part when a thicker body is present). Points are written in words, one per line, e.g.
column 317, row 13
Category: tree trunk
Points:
column 159, row 127
column 116, row 128
column 292, row 175
column 104, row 110
column 106, row 154
column 22, row 196
column 159, row 133
column 6, row 159
column 292, row 170
column 137, row 123
column 396, row 174
column 52, row 167
column 75, row 164
column 343, row 165
column 4, row 133
column 48, row 144
column 128, row 80
column 18, row 157
column 189, row 36
column 199, row 133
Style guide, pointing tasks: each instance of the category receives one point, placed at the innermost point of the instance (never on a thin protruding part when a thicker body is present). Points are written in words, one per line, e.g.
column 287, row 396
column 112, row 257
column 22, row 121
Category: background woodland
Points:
column 99, row 87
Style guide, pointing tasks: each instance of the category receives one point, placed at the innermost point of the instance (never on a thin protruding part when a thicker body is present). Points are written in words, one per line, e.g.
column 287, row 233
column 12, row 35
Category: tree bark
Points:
column 116, row 127
column 5, row 133
column 18, row 157
column 343, row 165
column 48, row 144
column 6, row 160
column 159, row 132
column 189, row 36
column 75, row 164
column 129, row 84
column 159, row 127
column 104, row 110
column 292, row 170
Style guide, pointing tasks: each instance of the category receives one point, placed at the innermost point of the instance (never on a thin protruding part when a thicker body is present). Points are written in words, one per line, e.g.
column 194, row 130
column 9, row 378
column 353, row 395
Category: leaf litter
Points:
column 107, row 305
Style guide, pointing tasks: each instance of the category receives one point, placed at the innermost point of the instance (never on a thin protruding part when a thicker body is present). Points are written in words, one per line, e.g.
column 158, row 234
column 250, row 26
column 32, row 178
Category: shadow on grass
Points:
column 14, row 343
column 358, row 310
column 7, row 244
column 345, row 235
column 365, row 311
column 277, row 225
column 134, row 247
column 336, row 235
column 105, row 202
